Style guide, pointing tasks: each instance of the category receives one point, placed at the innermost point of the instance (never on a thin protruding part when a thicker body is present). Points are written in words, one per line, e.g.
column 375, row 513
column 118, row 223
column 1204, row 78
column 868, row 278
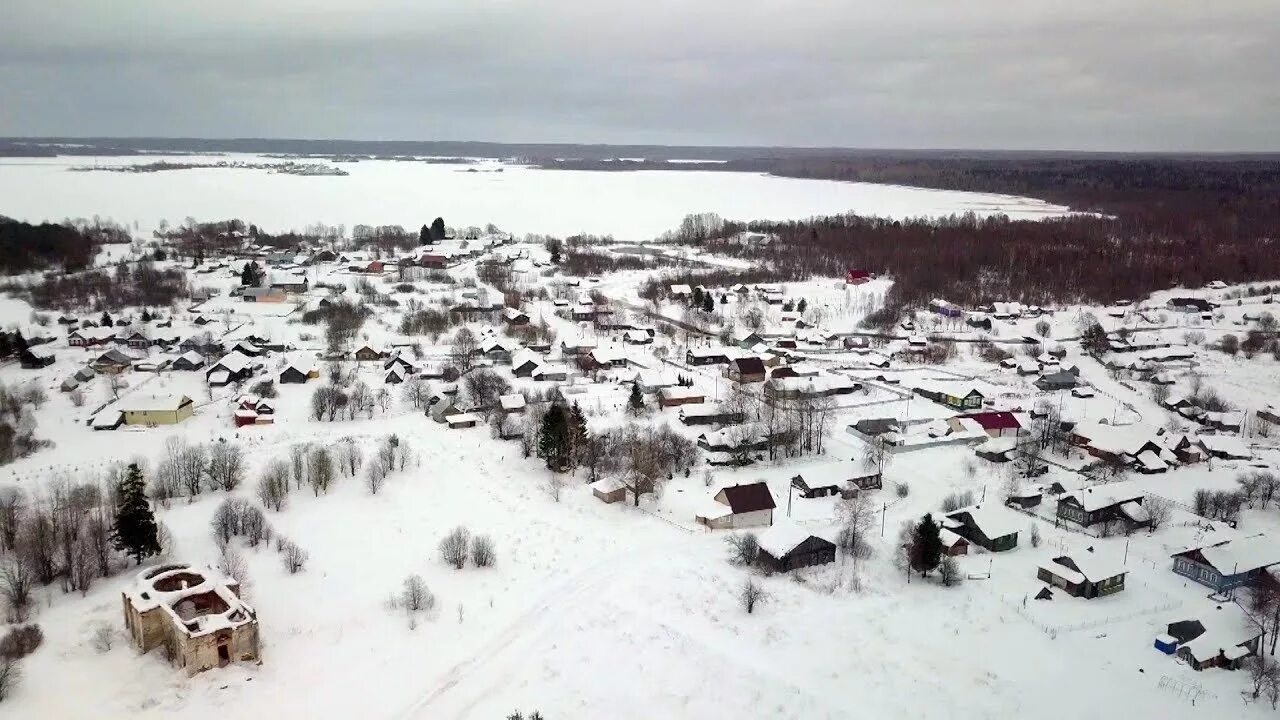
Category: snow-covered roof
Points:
column 1241, row 555
column 992, row 520
column 514, row 401
column 782, row 537
column 234, row 361
column 1226, row 626
column 169, row 587
column 1097, row 497
column 462, row 418
column 1228, row 445
column 151, row 403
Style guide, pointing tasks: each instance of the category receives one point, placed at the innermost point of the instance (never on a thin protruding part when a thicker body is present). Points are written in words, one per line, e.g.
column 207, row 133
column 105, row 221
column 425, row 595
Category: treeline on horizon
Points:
column 1151, row 224
column 25, row 247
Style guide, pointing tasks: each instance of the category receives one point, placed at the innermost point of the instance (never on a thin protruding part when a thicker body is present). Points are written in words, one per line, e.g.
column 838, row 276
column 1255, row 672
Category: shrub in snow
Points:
column 103, row 638
column 482, row 553
column 902, row 489
column 949, row 571
column 453, row 548
column 751, row 595
column 10, row 672
column 744, row 548
column 294, row 557
column 1035, row 536
column 416, row 597
column 21, row 641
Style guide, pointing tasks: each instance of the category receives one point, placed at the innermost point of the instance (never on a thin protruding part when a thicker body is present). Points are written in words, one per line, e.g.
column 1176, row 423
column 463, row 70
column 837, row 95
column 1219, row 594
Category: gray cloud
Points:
column 1089, row 74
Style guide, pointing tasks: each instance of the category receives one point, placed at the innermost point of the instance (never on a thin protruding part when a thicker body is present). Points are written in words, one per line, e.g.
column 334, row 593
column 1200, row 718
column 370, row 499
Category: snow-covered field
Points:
column 627, row 205
column 598, row 610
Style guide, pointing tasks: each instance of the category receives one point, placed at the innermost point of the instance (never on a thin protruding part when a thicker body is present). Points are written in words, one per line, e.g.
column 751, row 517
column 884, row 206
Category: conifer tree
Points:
column 697, row 297
column 928, row 550
column 579, row 436
column 708, row 304
column 105, row 320
column 424, row 236
column 18, row 344
column 251, row 275
column 800, row 307
column 134, row 530
column 6, row 347
column 553, row 439
column 636, row 401
column 437, row 229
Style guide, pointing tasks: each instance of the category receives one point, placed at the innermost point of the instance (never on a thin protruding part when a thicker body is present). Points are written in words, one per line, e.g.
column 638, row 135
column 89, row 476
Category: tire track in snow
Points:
column 564, row 593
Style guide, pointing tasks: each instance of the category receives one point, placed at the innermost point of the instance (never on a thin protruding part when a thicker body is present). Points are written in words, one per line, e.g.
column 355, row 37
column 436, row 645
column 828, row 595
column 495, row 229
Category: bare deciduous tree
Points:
column 751, row 594
column 482, row 552
column 416, row 596
column 744, row 548
column 273, row 486
column 16, row 584
column 320, row 472
column 453, row 548
column 294, row 557
column 226, row 465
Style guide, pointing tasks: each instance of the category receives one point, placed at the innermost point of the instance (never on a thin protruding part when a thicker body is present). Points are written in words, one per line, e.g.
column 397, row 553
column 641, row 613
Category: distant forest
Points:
column 1146, row 222
column 25, row 247
column 1152, row 223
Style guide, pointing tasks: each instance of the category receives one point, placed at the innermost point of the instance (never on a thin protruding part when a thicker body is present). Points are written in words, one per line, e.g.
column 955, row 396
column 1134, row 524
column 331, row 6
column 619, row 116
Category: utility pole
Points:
column 790, row 488
column 883, row 509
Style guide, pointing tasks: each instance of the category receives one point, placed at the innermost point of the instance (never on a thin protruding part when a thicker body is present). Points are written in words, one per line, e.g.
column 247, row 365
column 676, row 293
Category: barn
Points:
column 786, row 546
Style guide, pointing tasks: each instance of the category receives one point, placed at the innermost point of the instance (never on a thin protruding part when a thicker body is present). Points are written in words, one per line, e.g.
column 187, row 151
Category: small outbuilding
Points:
column 785, row 546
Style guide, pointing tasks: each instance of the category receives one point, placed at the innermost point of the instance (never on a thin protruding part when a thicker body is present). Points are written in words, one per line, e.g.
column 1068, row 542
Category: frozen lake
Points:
column 628, row 205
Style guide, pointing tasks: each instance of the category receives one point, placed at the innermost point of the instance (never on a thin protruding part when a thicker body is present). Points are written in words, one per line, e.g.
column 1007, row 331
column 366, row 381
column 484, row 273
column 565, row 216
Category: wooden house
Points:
column 988, row 526
column 740, row 506
column 1116, row 502
column 1227, row 564
column 785, row 546
column 1219, row 636
column 679, row 395
column 1083, row 574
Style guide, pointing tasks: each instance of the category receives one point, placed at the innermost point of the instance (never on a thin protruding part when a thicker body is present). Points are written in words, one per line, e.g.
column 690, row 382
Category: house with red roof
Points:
column 995, row 424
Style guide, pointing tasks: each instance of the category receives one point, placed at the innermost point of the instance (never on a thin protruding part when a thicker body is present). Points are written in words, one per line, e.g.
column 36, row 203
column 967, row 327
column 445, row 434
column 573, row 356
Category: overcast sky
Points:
column 1016, row 74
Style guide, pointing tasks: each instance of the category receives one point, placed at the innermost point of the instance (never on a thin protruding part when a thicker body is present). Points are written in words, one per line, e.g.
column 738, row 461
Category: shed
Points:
column 609, row 490
column 786, row 546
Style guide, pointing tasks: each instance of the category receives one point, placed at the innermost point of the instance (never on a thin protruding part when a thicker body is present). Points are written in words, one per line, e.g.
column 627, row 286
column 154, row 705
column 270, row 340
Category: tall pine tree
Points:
column 134, row 530
column 636, row 401
column 553, row 438
column 437, row 229
column 424, row 236
column 928, row 539
column 578, row 434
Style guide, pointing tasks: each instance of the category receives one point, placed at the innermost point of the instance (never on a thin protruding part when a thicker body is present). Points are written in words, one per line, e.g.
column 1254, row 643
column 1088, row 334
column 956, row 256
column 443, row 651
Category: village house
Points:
column 709, row 414
column 746, row 370
column 156, row 409
column 609, row 490
column 189, row 360
column 91, row 336
column 994, row 424
column 34, row 358
column 112, row 362
column 524, row 362
column 705, row 356
column 637, row 337
column 1225, row 447
column 1227, row 564
column 603, row 358
column 739, row 506
column 679, row 395
column 368, row 353
column 550, row 372
column 263, row 295
column 1083, row 574
column 954, row 395
column 232, row 367
column 1219, row 636
column 785, row 546
column 512, row 404
column 195, row 614
column 1116, row 502
column 515, row 317
column 991, row 527
column 834, row 477
column 1060, row 380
